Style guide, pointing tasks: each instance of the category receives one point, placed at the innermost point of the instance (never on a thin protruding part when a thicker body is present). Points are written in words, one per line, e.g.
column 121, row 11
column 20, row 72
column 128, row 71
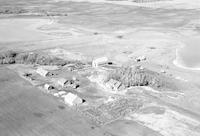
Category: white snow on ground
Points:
column 64, row 54
column 168, row 4
column 170, row 123
column 20, row 29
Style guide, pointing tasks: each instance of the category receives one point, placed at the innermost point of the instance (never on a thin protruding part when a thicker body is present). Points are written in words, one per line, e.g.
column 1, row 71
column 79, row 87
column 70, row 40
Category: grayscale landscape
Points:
column 99, row 68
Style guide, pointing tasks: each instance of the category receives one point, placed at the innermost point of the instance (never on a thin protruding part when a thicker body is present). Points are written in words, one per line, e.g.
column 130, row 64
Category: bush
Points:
column 10, row 57
column 8, row 61
column 21, row 58
column 31, row 59
column 58, row 61
column 9, row 54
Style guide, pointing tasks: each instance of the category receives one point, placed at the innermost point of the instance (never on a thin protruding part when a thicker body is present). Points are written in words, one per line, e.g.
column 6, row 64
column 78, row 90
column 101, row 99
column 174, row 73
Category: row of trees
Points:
column 11, row 57
column 12, row 11
column 134, row 76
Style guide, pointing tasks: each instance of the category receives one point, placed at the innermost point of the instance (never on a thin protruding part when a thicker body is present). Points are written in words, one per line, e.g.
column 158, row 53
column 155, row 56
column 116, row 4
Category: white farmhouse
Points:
column 72, row 99
column 98, row 61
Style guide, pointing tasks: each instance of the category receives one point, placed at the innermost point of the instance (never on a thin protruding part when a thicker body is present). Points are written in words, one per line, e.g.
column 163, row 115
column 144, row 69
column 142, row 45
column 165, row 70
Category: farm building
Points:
column 43, row 72
column 140, row 58
column 48, row 87
column 61, row 93
column 115, row 85
column 98, row 61
column 62, row 82
column 53, row 91
column 72, row 99
column 56, row 94
column 111, row 83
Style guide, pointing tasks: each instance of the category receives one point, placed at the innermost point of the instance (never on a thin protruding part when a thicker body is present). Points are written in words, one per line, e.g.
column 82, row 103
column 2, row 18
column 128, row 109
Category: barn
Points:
column 98, row 61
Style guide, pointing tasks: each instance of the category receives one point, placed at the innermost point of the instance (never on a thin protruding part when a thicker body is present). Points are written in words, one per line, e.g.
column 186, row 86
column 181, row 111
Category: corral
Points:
column 111, row 111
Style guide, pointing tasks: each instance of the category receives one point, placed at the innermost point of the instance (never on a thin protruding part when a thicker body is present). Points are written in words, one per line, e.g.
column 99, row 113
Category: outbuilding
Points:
column 115, row 85
column 72, row 99
column 48, row 87
column 43, row 72
column 62, row 82
column 98, row 61
column 60, row 93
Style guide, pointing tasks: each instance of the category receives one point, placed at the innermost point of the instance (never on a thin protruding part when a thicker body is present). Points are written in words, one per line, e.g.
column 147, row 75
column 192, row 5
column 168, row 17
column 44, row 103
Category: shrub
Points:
column 9, row 54
column 8, row 61
column 10, row 57
column 21, row 58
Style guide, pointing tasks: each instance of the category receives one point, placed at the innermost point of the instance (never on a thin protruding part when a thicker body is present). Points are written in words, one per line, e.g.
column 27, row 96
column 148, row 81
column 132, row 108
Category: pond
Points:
column 188, row 56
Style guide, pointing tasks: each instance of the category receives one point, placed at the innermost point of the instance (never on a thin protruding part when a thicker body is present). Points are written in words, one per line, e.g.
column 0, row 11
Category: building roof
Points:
column 102, row 59
column 72, row 99
column 61, row 92
column 98, row 61
column 48, row 86
column 62, row 81
column 117, row 84
column 42, row 71
column 112, row 82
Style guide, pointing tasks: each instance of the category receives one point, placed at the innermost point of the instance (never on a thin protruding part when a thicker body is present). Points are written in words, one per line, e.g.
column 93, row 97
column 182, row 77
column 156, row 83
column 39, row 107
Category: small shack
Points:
column 48, row 87
column 98, row 61
column 72, row 99
column 62, row 82
column 43, row 72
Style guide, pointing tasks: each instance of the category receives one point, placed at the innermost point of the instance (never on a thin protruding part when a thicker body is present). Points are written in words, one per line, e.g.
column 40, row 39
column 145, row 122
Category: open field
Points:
column 26, row 111
column 164, row 33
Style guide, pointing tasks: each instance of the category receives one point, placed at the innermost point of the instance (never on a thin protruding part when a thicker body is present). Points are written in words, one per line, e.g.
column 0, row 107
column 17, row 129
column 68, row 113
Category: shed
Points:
column 72, row 99
column 62, row 82
column 140, row 58
column 48, row 87
column 61, row 93
column 111, row 83
column 98, row 61
column 42, row 72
